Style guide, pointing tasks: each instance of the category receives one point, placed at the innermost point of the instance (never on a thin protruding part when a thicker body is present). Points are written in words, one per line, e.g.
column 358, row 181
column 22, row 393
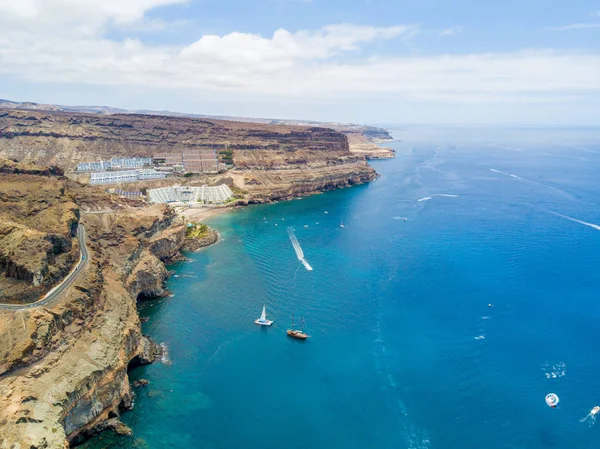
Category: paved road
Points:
column 84, row 258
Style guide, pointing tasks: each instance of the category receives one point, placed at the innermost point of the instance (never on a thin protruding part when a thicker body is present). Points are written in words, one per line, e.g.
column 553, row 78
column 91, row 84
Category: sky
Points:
column 455, row 62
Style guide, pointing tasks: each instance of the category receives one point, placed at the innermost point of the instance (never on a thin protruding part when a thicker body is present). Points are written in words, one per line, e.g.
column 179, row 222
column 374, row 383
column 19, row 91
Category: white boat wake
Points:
column 591, row 416
column 588, row 150
column 585, row 223
column 536, row 183
column 298, row 249
column 447, row 195
column 508, row 174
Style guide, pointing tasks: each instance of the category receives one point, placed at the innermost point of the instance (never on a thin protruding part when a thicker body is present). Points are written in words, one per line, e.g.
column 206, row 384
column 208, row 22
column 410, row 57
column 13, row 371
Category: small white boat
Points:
column 262, row 321
column 342, row 224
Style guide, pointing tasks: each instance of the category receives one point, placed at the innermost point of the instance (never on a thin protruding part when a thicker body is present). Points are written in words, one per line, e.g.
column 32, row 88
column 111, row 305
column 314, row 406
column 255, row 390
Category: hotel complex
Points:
column 204, row 194
column 114, row 163
column 114, row 177
column 119, row 170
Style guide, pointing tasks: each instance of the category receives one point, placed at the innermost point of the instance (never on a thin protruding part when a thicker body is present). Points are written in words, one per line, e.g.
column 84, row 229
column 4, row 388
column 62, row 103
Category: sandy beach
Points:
column 200, row 214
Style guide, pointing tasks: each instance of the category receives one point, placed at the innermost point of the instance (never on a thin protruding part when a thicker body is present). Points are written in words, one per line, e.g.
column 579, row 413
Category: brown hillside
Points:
column 65, row 138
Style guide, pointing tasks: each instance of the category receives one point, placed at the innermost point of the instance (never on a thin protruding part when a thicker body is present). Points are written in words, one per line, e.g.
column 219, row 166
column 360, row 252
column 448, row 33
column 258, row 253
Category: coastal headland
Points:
column 362, row 140
column 64, row 365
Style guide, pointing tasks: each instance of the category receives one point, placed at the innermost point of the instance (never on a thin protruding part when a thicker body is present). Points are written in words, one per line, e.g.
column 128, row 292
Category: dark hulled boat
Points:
column 297, row 333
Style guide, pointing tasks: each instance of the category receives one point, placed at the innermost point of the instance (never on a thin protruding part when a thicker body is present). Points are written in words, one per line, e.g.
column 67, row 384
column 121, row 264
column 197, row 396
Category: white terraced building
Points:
column 114, row 177
column 116, row 162
column 89, row 166
column 132, row 162
column 178, row 194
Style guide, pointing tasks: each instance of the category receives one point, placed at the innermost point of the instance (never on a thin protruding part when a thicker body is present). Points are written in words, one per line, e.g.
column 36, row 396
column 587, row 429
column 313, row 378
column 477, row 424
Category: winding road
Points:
column 84, row 258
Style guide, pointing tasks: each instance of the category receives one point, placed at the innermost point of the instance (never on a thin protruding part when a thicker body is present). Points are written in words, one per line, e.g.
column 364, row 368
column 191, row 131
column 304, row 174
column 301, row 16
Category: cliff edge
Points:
column 278, row 161
column 63, row 366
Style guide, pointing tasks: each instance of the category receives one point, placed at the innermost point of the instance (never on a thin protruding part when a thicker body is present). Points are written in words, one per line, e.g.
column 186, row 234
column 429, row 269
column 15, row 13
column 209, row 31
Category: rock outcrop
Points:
column 19, row 168
column 166, row 246
column 147, row 278
column 149, row 352
column 38, row 221
column 195, row 244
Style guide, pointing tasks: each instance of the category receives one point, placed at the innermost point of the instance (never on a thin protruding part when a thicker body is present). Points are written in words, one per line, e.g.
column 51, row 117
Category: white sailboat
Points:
column 262, row 321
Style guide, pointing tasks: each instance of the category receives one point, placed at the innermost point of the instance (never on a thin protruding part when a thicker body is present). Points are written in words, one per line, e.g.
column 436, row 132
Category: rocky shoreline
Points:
column 64, row 366
column 64, row 377
column 211, row 238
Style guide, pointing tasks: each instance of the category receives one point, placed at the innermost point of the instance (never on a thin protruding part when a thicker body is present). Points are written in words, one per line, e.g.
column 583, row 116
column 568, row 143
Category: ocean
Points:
column 462, row 289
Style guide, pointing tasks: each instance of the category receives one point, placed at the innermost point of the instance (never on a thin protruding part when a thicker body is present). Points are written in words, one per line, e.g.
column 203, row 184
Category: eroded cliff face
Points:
column 289, row 160
column 63, row 367
column 38, row 220
column 276, row 175
column 147, row 278
column 65, row 138
column 285, row 182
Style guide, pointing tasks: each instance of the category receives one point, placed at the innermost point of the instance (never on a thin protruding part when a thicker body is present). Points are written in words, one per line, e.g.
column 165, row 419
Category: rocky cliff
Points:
column 63, row 367
column 38, row 220
column 64, row 138
column 289, row 160
column 367, row 133
column 364, row 141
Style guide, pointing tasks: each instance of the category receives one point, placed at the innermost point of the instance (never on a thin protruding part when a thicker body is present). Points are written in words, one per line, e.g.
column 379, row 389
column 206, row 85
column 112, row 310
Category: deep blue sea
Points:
column 405, row 351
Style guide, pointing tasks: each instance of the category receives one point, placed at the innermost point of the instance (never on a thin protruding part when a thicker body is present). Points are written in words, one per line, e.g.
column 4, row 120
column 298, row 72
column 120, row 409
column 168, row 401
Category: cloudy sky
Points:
column 523, row 62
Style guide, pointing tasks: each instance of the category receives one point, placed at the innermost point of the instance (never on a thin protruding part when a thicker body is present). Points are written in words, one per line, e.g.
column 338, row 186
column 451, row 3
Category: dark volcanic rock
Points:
column 151, row 352
column 140, row 383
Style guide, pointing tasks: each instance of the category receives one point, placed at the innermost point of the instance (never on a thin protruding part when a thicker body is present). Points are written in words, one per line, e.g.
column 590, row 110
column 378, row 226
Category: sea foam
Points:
column 298, row 249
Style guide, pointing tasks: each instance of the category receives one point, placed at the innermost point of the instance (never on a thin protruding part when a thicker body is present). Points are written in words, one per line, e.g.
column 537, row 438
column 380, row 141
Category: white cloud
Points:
column 452, row 31
column 575, row 26
column 285, row 48
column 64, row 41
column 74, row 17
column 595, row 13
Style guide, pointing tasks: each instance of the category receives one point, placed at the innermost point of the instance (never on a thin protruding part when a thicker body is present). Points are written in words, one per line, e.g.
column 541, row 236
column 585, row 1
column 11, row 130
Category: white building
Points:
column 90, row 166
column 132, row 162
column 115, row 163
column 204, row 194
column 114, row 177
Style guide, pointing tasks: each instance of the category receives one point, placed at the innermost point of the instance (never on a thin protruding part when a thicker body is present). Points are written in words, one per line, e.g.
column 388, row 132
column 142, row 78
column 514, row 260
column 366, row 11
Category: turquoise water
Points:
column 404, row 351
